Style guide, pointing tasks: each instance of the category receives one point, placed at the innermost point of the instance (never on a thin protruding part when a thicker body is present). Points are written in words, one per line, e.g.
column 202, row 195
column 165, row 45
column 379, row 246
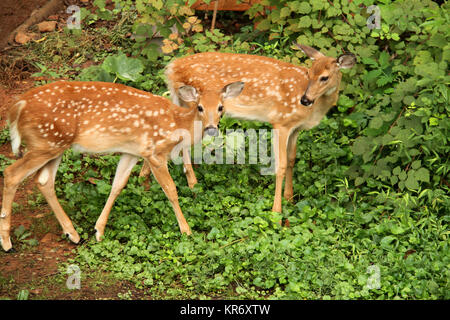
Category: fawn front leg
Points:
column 123, row 171
column 281, row 162
column 163, row 177
column 188, row 170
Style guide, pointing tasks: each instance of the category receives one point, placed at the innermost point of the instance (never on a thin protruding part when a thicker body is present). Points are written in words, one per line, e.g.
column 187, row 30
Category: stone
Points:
column 22, row 37
column 47, row 26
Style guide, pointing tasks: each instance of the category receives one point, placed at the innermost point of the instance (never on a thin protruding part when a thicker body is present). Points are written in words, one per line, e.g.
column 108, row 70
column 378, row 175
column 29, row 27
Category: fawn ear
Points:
column 310, row 52
column 187, row 94
column 346, row 60
column 232, row 90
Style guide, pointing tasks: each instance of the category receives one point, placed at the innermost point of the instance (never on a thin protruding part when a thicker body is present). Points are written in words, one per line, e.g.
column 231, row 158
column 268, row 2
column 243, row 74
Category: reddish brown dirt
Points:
column 13, row 13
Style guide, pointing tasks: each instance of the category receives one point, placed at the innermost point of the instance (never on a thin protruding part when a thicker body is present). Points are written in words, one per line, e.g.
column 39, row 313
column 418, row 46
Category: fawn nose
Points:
column 306, row 102
column 212, row 131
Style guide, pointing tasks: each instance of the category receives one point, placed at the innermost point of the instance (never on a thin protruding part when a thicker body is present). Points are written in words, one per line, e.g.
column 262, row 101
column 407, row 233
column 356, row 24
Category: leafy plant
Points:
column 115, row 67
column 22, row 234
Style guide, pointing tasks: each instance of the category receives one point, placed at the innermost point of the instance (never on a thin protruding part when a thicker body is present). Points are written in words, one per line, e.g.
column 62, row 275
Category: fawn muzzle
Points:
column 305, row 101
column 212, row 131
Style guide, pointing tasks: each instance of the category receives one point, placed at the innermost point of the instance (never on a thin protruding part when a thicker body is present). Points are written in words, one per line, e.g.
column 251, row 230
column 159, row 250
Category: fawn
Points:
column 99, row 117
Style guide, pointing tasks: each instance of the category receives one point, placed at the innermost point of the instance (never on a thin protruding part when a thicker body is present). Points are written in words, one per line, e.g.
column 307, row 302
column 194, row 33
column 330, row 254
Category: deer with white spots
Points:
column 291, row 98
column 99, row 117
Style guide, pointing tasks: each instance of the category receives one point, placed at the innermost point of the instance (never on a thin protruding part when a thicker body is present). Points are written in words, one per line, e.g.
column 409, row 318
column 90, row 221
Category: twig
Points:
column 213, row 23
column 233, row 242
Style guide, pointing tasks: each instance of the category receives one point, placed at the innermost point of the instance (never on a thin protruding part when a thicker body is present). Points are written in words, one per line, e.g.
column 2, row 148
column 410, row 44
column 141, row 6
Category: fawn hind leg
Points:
column 291, row 156
column 32, row 161
column 45, row 180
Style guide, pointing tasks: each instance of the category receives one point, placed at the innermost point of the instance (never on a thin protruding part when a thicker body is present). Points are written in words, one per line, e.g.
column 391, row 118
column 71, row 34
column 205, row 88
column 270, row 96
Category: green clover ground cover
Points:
column 237, row 249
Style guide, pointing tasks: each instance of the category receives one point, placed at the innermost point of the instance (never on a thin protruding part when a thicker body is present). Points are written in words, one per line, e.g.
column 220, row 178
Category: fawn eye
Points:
column 323, row 79
column 200, row 108
column 220, row 108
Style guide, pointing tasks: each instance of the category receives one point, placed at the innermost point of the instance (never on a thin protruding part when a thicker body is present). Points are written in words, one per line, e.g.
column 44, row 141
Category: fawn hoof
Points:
column 192, row 184
column 74, row 237
column 98, row 235
column 186, row 231
column 289, row 197
column 6, row 244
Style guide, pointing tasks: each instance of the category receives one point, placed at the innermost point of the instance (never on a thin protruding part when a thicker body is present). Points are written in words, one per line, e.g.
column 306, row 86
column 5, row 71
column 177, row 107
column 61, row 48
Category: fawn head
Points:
column 324, row 75
column 209, row 105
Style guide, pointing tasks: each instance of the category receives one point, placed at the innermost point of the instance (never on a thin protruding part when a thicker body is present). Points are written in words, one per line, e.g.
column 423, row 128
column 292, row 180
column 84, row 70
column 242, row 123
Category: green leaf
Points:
column 397, row 229
column 345, row 102
column 396, row 170
column 384, row 60
column 411, row 181
column 125, row 68
column 19, row 231
column 433, row 121
column 422, row 175
column 361, row 146
column 388, row 242
column 359, row 181
column 375, row 123
column 416, row 164
column 264, row 25
column 285, row 12
column 372, row 75
column 304, row 7
column 304, row 22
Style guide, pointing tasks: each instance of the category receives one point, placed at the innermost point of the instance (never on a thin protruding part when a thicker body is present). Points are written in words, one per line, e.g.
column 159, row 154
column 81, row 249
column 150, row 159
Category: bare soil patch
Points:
column 13, row 13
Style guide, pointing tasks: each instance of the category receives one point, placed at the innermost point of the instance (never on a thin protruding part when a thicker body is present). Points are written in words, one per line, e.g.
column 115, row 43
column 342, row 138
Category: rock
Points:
column 47, row 26
column 49, row 237
column 22, row 37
